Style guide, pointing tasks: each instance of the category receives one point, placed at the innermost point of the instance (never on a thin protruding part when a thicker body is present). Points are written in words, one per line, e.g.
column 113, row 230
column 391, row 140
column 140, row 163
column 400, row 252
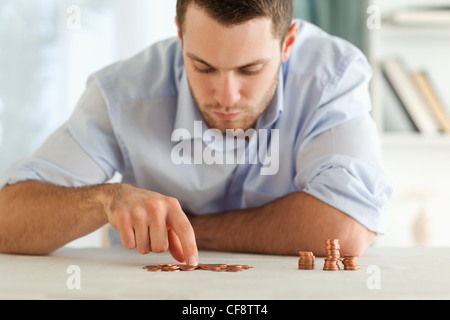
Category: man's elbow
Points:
column 355, row 239
column 7, row 247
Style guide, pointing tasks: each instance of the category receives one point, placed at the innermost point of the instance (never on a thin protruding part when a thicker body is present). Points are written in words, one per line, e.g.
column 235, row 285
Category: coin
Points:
column 332, row 255
column 310, row 267
column 306, row 261
column 170, row 268
column 350, row 262
column 238, row 266
column 187, row 268
column 332, row 242
column 150, row 266
column 216, row 267
column 233, row 269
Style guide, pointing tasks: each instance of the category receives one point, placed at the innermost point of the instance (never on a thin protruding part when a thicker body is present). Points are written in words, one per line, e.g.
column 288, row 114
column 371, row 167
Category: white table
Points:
column 114, row 273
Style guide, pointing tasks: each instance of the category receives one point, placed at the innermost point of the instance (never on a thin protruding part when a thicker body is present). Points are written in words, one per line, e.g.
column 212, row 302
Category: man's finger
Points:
column 183, row 229
column 127, row 237
column 175, row 248
column 142, row 239
column 158, row 234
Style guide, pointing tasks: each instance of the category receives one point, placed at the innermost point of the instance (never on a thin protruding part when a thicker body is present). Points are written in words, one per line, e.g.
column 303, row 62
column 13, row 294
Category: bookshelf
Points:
column 419, row 47
column 417, row 162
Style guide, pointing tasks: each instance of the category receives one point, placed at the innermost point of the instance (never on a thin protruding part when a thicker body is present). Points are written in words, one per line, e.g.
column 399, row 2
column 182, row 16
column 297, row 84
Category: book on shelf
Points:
column 432, row 100
column 395, row 116
column 431, row 16
column 409, row 96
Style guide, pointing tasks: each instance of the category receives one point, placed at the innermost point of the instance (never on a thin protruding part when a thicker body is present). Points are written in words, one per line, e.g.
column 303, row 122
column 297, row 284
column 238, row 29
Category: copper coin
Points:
column 168, row 267
column 150, row 266
column 306, row 267
column 217, row 269
column 331, row 241
column 352, row 268
column 187, row 268
column 233, row 269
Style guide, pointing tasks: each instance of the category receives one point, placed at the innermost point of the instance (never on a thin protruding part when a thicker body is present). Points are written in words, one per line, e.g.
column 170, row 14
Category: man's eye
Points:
column 251, row 71
column 203, row 70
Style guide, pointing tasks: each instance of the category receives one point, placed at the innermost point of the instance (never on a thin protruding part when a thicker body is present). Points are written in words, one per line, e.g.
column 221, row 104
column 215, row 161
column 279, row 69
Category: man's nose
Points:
column 227, row 90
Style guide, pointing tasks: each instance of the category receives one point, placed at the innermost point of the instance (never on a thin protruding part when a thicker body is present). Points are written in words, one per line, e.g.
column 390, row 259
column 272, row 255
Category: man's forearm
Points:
column 37, row 218
column 290, row 224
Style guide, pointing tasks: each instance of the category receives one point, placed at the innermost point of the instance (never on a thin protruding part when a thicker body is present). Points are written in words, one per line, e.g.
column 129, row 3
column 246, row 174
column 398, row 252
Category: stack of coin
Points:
column 333, row 256
column 167, row 267
column 350, row 262
column 306, row 261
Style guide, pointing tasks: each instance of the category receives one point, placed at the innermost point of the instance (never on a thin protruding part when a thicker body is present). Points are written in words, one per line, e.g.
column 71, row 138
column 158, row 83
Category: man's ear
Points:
column 289, row 41
column 180, row 34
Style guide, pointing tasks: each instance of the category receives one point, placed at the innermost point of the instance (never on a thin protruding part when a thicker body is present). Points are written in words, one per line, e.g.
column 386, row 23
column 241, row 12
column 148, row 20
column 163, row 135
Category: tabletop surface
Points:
column 114, row 273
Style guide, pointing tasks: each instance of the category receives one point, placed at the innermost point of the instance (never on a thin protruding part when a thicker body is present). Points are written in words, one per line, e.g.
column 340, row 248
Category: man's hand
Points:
column 150, row 222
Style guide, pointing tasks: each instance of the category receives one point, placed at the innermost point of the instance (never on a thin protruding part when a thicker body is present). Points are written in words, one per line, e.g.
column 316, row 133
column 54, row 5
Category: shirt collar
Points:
column 187, row 111
column 275, row 107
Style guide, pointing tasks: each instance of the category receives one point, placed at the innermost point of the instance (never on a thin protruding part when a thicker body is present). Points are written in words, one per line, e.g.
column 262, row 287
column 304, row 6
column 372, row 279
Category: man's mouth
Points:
column 227, row 116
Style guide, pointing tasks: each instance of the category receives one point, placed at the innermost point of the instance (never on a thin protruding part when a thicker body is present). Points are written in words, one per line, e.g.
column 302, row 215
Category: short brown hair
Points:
column 235, row 12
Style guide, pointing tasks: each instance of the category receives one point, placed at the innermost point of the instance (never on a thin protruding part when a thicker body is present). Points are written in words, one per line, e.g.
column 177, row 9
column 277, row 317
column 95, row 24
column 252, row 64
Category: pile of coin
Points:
column 332, row 259
column 306, row 261
column 167, row 267
column 350, row 262
column 332, row 255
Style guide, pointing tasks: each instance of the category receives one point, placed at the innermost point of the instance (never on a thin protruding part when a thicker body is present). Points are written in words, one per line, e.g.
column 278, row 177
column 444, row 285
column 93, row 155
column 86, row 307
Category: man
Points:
column 238, row 66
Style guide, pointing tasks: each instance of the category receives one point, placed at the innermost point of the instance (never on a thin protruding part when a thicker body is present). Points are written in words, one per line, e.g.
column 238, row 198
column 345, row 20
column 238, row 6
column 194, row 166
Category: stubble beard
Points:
column 249, row 116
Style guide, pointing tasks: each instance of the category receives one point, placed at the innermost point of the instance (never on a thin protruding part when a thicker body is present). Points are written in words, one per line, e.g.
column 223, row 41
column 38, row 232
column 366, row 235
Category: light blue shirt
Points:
column 126, row 119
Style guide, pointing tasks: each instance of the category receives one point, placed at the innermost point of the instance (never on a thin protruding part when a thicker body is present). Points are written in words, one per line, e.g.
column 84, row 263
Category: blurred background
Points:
column 48, row 48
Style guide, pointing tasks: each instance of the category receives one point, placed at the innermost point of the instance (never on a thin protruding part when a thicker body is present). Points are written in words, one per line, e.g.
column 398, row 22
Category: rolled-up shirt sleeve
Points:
column 82, row 152
column 339, row 159
column 343, row 170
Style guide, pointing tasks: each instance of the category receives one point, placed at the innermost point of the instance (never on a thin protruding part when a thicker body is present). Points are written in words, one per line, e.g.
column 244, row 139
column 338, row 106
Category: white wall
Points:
column 143, row 22
column 138, row 24
column 420, row 172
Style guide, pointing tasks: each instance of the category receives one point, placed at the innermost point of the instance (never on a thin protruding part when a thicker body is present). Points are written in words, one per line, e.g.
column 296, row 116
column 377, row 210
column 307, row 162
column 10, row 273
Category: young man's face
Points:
column 232, row 71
